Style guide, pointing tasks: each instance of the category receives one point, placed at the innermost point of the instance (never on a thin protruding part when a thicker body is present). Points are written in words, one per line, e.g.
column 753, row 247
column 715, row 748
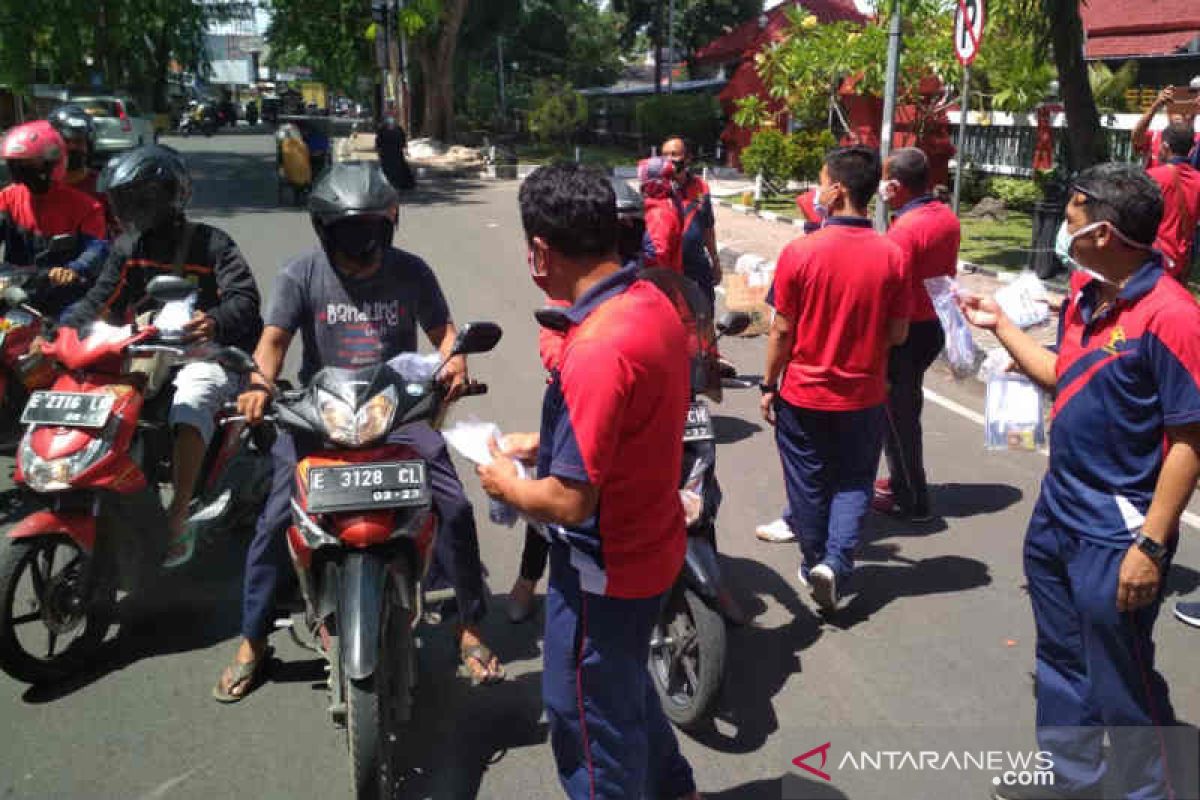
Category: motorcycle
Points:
column 362, row 540
column 198, row 117
column 688, row 642
column 96, row 449
column 21, row 322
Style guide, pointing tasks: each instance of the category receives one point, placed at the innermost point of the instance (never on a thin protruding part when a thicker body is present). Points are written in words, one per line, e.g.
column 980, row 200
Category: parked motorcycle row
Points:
column 93, row 457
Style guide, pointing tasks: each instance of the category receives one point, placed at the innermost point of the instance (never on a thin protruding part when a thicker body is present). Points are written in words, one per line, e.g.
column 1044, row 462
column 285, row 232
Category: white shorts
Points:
column 201, row 388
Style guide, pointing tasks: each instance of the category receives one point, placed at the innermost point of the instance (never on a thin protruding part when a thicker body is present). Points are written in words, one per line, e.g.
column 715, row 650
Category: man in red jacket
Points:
column 1180, row 186
column 928, row 232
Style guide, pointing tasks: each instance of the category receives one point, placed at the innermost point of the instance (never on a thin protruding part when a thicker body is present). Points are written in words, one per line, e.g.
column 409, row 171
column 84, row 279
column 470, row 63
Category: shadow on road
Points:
column 1182, row 580
column 789, row 787
column 746, row 703
column 961, row 500
column 876, row 585
column 730, row 430
column 180, row 611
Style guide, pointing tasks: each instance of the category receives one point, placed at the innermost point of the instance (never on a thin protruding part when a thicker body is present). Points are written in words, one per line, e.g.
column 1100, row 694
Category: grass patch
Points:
column 599, row 155
column 783, row 205
column 1002, row 245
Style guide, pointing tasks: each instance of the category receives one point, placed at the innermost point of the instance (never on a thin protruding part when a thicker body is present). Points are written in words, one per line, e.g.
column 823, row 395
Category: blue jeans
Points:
column 457, row 541
column 610, row 738
column 829, row 461
column 1095, row 666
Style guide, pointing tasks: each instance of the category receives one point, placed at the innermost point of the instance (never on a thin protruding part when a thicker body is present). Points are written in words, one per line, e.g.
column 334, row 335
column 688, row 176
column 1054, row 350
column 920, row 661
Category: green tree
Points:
column 329, row 36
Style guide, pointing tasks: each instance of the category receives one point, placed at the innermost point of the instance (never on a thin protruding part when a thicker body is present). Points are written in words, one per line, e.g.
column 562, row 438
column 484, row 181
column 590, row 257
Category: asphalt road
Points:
column 935, row 640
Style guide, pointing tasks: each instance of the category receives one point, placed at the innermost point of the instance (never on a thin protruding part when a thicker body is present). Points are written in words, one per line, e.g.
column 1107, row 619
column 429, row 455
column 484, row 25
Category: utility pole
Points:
column 405, row 115
column 671, row 48
column 889, row 105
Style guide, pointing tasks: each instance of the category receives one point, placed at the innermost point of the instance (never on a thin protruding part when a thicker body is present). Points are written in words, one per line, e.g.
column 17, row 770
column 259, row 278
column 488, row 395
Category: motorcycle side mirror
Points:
column 236, row 361
column 476, row 337
column 167, row 288
column 60, row 249
column 733, row 323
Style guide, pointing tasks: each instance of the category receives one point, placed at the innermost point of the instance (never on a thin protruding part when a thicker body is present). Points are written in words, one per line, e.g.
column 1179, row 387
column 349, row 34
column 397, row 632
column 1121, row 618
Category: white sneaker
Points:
column 775, row 532
column 802, row 575
column 824, row 587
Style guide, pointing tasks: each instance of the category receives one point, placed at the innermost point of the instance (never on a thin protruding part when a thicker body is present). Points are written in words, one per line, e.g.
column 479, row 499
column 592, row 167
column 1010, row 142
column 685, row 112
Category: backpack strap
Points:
column 181, row 251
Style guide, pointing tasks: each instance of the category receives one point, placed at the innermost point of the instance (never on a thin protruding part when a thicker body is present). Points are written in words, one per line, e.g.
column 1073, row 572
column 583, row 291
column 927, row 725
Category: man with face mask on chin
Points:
column 356, row 301
column 608, row 459
column 1124, row 459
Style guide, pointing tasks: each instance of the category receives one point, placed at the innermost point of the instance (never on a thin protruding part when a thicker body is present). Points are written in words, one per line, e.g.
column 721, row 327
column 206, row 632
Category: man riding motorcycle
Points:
column 149, row 188
column 78, row 131
column 38, row 205
column 356, row 301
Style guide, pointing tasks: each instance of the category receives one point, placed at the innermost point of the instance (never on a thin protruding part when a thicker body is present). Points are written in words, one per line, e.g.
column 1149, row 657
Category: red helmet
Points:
column 37, row 141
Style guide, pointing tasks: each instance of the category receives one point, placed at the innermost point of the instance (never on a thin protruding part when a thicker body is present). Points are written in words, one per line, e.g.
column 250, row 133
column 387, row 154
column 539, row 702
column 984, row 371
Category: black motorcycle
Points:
column 688, row 643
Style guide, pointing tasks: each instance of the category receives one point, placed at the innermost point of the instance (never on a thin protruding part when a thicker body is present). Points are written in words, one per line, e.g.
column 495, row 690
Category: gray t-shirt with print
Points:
column 355, row 323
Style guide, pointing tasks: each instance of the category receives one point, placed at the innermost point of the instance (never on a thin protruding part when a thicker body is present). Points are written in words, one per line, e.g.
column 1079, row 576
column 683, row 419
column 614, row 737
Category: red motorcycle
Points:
column 20, row 323
column 96, row 450
column 362, row 540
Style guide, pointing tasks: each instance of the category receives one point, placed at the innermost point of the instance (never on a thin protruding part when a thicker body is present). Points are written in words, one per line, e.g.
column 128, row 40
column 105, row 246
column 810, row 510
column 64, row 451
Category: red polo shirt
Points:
column 929, row 234
column 840, row 287
column 1180, row 185
column 1151, row 146
column 613, row 417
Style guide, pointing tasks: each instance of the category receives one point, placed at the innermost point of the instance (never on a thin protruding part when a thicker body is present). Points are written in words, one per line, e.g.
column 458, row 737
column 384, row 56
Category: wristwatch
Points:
column 768, row 388
column 1156, row 551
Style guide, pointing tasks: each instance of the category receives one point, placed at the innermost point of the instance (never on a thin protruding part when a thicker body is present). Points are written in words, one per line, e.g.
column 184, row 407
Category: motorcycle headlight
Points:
column 56, row 475
column 345, row 427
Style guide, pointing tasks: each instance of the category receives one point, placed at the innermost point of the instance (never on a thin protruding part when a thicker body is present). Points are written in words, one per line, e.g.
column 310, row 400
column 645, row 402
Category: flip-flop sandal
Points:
column 480, row 654
column 185, row 547
column 248, row 674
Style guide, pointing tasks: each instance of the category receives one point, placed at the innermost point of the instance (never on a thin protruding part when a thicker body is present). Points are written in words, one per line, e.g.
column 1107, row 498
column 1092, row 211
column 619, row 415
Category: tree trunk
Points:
column 438, row 68
column 1086, row 143
column 658, row 47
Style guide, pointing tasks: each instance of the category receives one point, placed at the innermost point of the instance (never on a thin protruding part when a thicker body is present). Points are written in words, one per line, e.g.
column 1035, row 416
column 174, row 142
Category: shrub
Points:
column 1018, row 194
column 557, row 112
column 781, row 157
column 695, row 116
column 773, row 154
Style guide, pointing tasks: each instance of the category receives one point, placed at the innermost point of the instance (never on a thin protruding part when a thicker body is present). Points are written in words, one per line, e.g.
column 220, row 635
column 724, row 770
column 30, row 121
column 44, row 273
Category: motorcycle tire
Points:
column 15, row 659
column 379, row 707
column 688, row 677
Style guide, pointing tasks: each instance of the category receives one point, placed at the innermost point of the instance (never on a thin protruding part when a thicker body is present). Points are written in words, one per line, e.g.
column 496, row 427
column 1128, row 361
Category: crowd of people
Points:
column 853, row 334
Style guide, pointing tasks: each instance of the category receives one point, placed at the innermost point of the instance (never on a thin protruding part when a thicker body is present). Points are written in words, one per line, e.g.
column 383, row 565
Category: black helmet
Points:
column 357, row 191
column 629, row 200
column 147, row 186
column 73, row 124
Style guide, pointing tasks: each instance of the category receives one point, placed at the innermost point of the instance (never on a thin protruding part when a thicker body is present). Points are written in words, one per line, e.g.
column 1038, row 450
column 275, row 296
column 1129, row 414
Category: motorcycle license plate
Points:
column 699, row 427
column 68, row 409
column 362, row 487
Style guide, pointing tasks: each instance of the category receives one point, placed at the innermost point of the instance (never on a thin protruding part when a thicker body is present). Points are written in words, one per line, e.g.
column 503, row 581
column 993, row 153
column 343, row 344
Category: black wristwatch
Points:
column 769, row 388
column 1156, row 551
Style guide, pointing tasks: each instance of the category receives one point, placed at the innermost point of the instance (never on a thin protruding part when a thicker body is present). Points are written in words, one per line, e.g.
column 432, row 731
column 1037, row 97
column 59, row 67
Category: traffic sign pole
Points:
column 960, row 148
column 889, row 106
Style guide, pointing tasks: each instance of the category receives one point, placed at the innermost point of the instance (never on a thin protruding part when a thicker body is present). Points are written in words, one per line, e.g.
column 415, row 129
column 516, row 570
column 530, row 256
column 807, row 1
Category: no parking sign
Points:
column 968, row 30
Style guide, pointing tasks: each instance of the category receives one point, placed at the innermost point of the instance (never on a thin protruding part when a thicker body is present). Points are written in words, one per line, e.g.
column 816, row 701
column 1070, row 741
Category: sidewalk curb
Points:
column 750, row 211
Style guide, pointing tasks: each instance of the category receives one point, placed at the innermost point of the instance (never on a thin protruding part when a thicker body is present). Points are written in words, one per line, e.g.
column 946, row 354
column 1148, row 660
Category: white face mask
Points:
column 1064, row 243
column 887, row 190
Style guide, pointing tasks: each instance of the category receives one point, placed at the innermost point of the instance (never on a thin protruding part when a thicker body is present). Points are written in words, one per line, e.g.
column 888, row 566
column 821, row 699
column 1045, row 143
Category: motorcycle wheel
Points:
column 379, row 707
column 687, row 657
column 47, row 606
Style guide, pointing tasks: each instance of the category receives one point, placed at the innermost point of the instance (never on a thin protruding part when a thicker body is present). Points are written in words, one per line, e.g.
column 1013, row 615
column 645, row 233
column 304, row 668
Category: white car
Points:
column 120, row 124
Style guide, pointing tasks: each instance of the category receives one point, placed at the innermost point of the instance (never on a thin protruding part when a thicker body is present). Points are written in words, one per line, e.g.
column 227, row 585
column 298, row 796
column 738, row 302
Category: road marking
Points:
column 1187, row 518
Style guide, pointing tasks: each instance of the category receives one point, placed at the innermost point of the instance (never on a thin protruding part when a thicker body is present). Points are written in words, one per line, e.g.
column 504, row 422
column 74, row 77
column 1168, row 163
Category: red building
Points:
column 1163, row 36
column 734, row 54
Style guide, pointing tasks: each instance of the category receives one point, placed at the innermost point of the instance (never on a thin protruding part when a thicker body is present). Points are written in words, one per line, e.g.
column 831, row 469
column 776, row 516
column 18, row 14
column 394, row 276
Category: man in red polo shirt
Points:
column 1180, row 186
column 1124, row 459
column 609, row 456
column 842, row 299
column 1149, row 143
column 928, row 232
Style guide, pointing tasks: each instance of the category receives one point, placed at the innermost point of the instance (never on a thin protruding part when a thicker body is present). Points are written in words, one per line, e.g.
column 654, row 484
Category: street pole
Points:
column 671, row 48
column 889, row 104
column 404, row 118
column 500, row 68
column 960, row 152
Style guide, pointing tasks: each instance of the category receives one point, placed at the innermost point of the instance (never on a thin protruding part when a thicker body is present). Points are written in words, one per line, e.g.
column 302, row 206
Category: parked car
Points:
column 120, row 124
